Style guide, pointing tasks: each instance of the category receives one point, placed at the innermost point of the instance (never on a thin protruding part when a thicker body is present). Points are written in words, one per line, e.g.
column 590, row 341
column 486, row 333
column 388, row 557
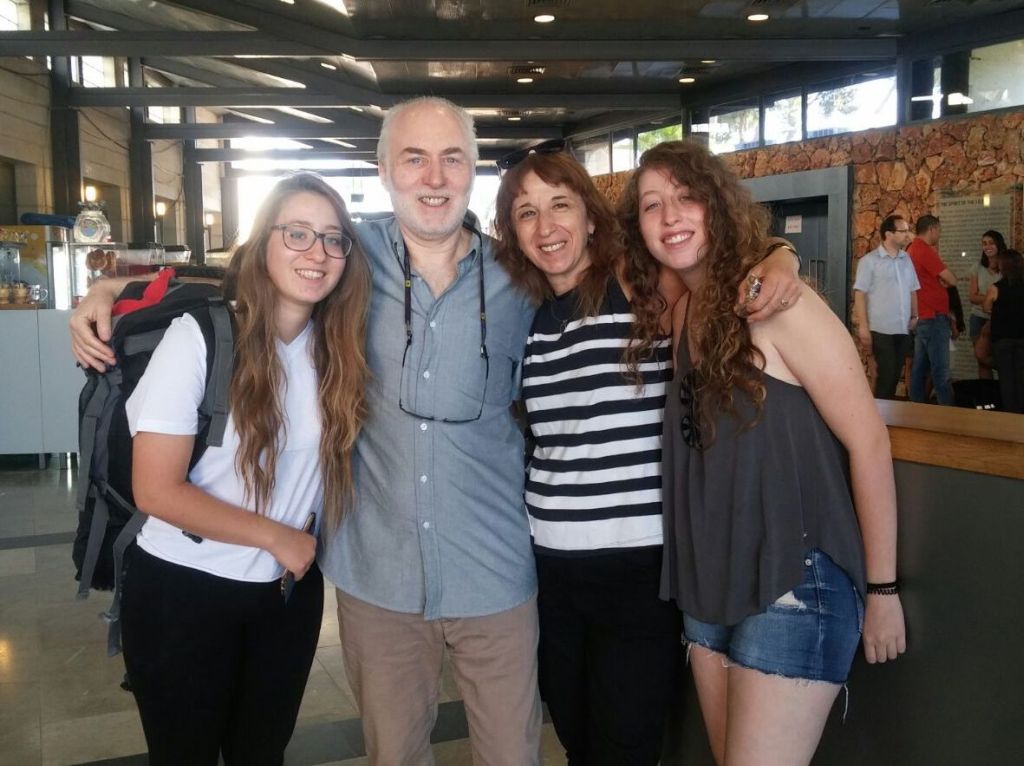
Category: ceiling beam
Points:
column 225, row 43
column 228, row 130
column 150, row 43
column 487, row 154
column 301, row 97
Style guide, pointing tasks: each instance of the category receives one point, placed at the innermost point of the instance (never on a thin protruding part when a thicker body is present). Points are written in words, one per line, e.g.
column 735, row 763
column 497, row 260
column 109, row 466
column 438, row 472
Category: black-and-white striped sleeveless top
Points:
column 594, row 480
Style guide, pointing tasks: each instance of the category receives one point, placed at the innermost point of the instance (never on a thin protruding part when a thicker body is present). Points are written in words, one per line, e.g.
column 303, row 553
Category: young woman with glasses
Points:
column 217, row 642
column 779, row 494
column 594, row 400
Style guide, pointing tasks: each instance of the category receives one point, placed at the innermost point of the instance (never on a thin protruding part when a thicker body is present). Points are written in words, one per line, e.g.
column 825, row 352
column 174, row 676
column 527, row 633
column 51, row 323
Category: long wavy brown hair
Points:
column 605, row 248
column 339, row 330
column 737, row 231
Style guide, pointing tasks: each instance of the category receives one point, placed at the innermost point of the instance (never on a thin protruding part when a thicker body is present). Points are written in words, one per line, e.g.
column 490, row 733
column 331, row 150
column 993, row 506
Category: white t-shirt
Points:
column 166, row 401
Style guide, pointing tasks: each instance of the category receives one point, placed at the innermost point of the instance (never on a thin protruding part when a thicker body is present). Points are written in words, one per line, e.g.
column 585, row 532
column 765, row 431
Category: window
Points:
column 595, row 156
column 994, row 79
column 783, row 119
column 623, row 151
column 96, row 71
column 9, row 16
column 645, row 139
column 163, row 114
column 733, row 127
column 857, row 106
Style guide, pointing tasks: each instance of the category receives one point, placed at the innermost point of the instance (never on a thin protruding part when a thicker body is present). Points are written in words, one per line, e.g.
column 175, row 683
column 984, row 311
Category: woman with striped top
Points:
column 594, row 400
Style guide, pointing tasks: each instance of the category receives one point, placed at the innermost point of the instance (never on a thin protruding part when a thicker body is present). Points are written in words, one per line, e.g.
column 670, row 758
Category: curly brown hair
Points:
column 605, row 249
column 737, row 231
column 339, row 330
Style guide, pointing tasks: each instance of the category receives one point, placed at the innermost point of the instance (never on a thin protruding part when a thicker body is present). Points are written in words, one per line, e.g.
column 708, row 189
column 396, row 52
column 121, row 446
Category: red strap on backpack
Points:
column 153, row 294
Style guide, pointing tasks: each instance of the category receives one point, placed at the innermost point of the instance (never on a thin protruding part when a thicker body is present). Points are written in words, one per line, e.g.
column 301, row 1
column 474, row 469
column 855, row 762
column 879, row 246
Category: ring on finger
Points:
column 753, row 287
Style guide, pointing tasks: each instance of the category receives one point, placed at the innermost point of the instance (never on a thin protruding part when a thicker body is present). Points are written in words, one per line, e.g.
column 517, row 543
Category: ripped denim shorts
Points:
column 812, row 632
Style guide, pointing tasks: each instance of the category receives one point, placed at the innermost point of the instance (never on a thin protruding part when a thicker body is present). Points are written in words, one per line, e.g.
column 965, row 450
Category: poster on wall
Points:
column 964, row 220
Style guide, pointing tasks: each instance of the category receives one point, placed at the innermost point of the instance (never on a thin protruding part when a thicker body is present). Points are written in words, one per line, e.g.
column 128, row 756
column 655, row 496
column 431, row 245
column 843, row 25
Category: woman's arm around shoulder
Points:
column 815, row 347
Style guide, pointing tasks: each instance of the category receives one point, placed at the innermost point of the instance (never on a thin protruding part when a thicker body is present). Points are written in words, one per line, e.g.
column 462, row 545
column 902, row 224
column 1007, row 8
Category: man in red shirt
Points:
column 934, row 326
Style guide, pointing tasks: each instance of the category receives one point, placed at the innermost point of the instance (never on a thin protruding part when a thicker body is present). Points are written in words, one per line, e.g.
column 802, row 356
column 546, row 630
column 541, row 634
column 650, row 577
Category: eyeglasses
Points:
column 301, row 239
column 552, row 146
column 408, row 342
column 689, row 422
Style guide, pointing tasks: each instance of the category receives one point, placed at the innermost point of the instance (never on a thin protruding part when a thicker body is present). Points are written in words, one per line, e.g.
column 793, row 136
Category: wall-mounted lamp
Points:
column 160, row 209
column 90, row 193
column 208, row 219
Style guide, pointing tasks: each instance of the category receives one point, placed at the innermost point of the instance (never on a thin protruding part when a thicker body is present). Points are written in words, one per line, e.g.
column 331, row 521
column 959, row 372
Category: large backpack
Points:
column 108, row 520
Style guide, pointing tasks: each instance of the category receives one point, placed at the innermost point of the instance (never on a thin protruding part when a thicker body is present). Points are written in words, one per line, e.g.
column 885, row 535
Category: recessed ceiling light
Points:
column 687, row 80
column 544, row 18
column 288, row 2
column 525, row 80
column 707, row 61
column 325, row 65
column 514, row 119
column 757, row 17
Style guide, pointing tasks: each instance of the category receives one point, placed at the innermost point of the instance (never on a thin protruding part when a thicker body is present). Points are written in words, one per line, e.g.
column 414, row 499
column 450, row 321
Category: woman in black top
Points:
column 776, row 464
column 1005, row 301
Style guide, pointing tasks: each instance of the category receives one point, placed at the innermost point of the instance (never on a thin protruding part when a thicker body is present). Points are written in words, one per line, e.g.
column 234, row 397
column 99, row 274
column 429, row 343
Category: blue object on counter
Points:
column 47, row 219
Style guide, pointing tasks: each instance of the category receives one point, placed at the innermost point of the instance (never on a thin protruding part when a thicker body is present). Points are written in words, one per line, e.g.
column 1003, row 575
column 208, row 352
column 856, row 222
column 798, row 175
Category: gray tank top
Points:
column 740, row 514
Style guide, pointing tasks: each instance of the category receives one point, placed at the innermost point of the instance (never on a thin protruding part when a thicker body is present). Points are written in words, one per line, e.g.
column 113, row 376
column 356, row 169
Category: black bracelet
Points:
column 884, row 588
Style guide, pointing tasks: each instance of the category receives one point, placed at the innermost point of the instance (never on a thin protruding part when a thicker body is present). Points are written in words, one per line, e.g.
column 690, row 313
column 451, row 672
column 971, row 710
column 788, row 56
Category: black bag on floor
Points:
column 978, row 394
column 108, row 520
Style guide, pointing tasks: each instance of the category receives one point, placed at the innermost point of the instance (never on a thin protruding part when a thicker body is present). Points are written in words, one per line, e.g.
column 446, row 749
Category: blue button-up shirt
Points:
column 439, row 526
column 887, row 283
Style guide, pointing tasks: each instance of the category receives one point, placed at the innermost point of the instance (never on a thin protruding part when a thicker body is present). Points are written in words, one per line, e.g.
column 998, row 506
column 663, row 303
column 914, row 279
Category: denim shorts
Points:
column 812, row 632
column 976, row 323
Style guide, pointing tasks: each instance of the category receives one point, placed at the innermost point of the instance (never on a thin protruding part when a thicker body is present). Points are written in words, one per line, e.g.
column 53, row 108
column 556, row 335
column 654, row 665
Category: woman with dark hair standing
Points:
column 217, row 651
column 594, row 399
column 993, row 245
column 767, row 540
column 1005, row 301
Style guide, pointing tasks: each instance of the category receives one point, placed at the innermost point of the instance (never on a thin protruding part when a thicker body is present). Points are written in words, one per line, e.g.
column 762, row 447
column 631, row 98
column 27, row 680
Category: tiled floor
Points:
column 60, row 699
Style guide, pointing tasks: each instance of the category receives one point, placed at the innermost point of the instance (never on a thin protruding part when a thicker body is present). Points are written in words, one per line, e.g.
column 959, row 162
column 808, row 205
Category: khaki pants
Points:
column 393, row 661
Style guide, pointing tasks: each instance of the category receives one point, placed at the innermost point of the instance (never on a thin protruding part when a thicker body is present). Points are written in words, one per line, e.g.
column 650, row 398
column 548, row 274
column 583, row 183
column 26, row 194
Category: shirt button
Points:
column 433, row 324
column 423, row 479
column 426, row 374
column 423, row 426
column 807, row 562
column 426, row 525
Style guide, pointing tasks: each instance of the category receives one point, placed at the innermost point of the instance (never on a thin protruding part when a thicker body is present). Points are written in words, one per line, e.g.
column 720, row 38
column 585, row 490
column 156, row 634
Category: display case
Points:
column 91, row 261
column 41, row 267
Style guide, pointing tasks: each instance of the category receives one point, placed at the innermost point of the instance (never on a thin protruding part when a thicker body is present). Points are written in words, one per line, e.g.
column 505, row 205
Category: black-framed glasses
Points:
column 551, row 146
column 407, row 273
column 301, row 238
column 689, row 420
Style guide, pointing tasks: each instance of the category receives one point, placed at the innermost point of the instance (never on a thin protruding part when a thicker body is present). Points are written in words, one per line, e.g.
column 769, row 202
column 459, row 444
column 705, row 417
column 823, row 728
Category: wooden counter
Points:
column 953, row 437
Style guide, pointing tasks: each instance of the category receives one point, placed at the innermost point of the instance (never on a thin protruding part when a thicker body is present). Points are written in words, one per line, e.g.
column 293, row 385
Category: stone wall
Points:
column 901, row 169
column 904, row 170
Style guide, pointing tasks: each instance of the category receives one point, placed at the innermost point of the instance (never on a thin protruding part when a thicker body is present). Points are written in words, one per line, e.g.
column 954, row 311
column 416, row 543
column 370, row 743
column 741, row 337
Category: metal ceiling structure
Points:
column 322, row 72
column 599, row 64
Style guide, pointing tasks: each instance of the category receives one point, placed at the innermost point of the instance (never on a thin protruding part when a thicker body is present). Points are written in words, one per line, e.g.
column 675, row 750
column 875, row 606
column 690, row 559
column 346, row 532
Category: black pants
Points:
column 1008, row 356
column 609, row 651
column 890, row 352
column 217, row 666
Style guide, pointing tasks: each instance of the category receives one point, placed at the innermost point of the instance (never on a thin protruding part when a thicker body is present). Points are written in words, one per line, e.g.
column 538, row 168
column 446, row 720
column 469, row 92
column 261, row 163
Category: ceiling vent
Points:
column 526, row 69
